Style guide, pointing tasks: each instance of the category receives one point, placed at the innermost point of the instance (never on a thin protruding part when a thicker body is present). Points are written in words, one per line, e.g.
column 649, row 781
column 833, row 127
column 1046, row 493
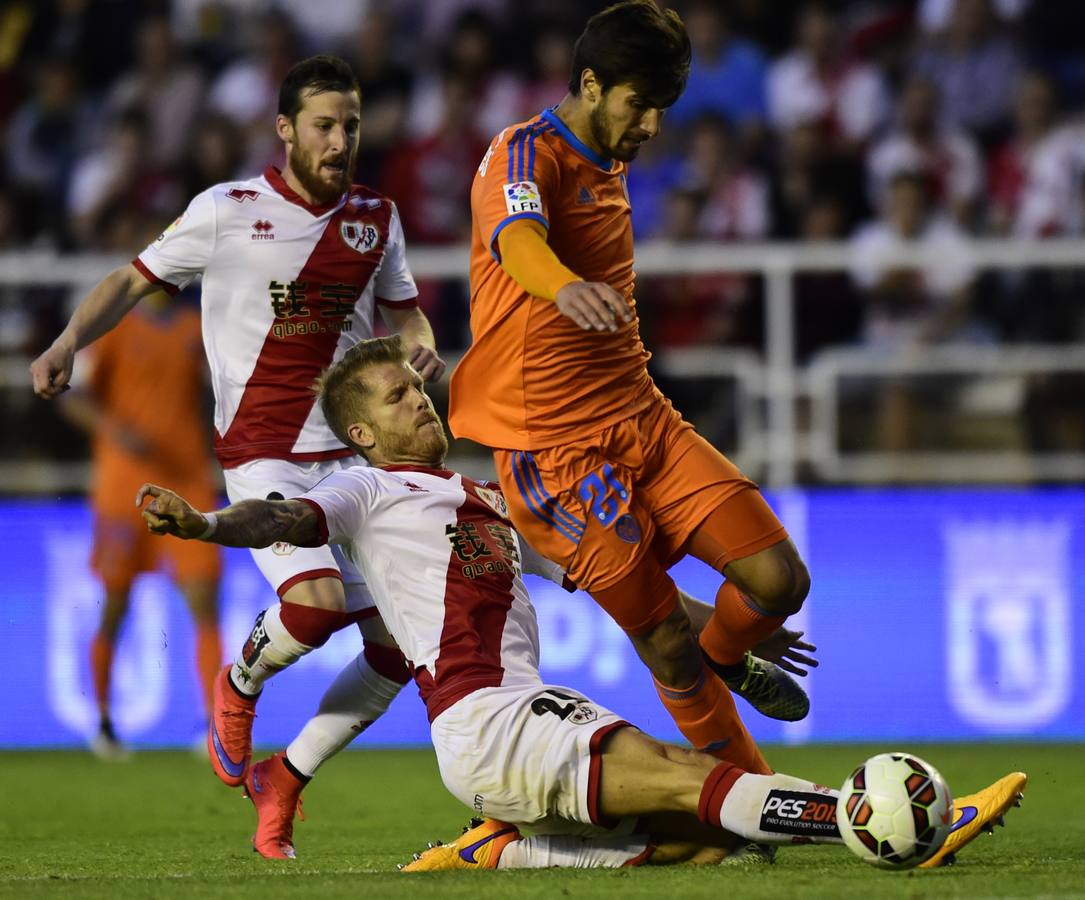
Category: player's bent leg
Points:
column 546, row 851
column 105, row 743
column 681, row 838
column 640, row 775
column 776, row 578
column 310, row 612
column 498, row 845
column 202, row 599
column 766, row 581
column 669, row 649
column 360, row 694
column 694, row 696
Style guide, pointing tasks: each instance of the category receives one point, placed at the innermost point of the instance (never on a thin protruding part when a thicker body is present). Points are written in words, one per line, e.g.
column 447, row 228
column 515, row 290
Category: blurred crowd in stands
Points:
column 871, row 121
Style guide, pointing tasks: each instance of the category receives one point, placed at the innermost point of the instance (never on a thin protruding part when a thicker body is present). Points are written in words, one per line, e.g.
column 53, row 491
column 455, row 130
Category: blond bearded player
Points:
column 445, row 565
column 294, row 264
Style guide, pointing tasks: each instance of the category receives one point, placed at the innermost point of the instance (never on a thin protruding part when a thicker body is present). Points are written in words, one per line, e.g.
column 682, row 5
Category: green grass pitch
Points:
column 161, row 825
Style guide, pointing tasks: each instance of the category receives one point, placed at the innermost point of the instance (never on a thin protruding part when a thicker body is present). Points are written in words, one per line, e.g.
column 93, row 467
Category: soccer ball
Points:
column 894, row 811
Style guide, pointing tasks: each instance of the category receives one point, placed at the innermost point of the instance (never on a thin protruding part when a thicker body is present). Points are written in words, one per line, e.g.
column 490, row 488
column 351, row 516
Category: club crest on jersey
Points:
column 583, row 714
column 360, row 236
column 522, row 197
column 494, row 500
column 628, row 529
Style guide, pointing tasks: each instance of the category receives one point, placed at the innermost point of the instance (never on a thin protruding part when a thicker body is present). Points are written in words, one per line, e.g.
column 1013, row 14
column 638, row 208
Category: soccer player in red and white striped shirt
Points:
column 294, row 263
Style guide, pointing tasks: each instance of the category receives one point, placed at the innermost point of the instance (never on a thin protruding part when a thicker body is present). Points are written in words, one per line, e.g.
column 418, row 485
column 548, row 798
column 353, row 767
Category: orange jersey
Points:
column 148, row 378
column 532, row 378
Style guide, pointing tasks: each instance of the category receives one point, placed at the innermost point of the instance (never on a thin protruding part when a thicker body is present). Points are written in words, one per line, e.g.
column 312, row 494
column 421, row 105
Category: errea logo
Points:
column 262, row 230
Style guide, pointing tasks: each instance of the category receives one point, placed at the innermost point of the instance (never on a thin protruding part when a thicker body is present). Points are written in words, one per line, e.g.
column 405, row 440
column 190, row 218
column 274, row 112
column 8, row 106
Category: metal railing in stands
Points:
column 775, row 447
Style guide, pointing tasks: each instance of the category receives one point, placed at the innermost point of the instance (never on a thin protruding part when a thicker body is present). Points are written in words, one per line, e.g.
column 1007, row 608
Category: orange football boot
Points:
column 229, row 733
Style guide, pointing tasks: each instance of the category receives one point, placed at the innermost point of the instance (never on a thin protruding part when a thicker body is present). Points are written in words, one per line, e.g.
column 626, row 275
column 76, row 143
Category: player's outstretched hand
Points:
column 52, row 371
column 426, row 362
column 168, row 513
column 593, row 305
column 784, row 647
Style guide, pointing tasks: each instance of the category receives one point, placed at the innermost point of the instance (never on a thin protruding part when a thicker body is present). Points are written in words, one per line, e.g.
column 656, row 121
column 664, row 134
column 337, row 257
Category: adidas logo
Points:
column 583, row 195
column 262, row 230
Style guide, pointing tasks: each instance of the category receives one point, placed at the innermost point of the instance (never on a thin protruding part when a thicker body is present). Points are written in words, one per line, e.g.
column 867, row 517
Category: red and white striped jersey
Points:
column 288, row 287
column 444, row 566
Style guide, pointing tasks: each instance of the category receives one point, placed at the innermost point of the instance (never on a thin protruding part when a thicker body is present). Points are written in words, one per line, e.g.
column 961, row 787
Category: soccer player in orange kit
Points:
column 144, row 408
column 600, row 472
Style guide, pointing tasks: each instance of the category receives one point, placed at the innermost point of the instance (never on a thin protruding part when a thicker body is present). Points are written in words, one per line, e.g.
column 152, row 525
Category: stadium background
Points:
column 862, row 391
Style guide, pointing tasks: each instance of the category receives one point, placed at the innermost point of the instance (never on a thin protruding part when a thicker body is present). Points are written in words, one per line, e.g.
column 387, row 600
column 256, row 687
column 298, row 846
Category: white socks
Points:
column 270, row 648
column 356, row 699
column 544, row 851
column 780, row 809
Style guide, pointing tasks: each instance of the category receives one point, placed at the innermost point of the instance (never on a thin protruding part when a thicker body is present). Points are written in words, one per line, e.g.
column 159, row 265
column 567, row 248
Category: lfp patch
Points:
column 158, row 240
column 522, row 196
column 628, row 529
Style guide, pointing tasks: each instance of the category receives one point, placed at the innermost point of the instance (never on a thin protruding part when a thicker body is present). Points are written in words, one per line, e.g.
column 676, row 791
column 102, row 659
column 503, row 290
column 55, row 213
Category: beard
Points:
column 600, row 125
column 306, row 169
column 424, row 446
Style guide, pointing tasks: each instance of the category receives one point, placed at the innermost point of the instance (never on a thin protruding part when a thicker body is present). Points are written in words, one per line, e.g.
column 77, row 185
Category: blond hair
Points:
column 343, row 392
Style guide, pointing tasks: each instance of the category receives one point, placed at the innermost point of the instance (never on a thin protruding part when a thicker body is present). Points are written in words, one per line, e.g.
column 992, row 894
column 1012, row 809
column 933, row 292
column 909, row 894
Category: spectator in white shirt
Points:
column 818, row 83
column 944, row 156
column 906, row 308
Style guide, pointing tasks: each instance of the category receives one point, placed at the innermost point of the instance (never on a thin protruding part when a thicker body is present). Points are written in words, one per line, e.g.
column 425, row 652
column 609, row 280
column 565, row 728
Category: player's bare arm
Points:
column 418, row 340
column 784, row 647
column 531, row 263
column 86, row 413
column 101, row 309
column 250, row 523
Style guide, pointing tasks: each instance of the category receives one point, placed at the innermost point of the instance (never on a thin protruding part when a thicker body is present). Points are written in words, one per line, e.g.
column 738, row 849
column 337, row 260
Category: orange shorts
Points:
column 123, row 548
column 598, row 505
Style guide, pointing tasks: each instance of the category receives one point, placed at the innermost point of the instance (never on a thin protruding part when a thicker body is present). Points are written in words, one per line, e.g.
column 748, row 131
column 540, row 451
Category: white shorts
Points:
column 527, row 754
column 284, row 565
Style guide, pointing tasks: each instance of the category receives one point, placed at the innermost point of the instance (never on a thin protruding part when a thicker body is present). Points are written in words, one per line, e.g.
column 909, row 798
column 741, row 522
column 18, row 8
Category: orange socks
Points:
column 705, row 713
column 735, row 626
column 101, row 668
column 208, row 658
column 208, row 664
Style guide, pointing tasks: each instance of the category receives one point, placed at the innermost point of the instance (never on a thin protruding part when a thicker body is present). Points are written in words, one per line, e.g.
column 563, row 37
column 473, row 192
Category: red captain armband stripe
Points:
column 409, row 303
column 140, row 267
column 322, row 519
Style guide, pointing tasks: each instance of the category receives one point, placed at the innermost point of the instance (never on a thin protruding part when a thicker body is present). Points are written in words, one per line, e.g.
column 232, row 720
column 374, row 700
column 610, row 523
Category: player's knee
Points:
column 797, row 587
column 784, row 585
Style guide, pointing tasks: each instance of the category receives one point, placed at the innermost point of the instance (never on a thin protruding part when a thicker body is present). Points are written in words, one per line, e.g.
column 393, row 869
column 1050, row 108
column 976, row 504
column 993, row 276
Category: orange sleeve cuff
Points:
column 530, row 262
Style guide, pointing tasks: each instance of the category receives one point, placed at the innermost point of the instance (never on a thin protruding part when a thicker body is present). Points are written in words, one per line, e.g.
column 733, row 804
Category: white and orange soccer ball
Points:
column 895, row 811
